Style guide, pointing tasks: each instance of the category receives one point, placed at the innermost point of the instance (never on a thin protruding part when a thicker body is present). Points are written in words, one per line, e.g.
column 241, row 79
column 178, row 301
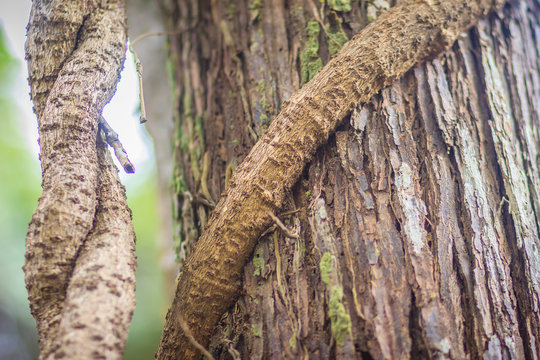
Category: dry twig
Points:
column 111, row 137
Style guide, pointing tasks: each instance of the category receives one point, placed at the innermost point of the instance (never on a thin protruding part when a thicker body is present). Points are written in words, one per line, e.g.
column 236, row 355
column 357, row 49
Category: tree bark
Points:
column 80, row 259
column 417, row 221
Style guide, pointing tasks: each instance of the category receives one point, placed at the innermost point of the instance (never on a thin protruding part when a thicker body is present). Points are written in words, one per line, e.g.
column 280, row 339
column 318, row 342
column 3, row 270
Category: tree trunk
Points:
column 417, row 221
column 80, row 246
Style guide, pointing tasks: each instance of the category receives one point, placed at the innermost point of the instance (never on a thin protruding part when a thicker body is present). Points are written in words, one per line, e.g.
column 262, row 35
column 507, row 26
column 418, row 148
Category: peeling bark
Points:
column 75, row 52
column 395, row 172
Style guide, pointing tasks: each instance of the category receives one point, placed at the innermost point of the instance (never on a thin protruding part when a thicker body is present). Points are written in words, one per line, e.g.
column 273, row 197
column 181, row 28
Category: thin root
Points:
column 286, row 231
column 189, row 335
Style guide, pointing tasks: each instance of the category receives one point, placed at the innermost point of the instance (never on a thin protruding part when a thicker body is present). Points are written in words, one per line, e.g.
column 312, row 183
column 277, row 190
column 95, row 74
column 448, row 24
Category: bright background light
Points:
column 122, row 113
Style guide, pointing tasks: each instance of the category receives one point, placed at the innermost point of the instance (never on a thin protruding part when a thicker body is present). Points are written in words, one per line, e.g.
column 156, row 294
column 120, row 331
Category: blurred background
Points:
column 20, row 178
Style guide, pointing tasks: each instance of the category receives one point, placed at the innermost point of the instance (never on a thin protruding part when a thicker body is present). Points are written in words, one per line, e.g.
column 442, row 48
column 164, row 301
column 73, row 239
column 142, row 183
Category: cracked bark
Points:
column 80, row 260
column 404, row 205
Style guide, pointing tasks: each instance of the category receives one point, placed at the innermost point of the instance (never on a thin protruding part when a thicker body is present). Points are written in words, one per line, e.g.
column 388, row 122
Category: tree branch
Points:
column 384, row 51
column 111, row 137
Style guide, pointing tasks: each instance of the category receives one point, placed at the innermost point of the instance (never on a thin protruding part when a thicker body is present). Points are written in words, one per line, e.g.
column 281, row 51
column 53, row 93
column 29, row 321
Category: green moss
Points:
column 191, row 126
column 192, row 150
column 225, row 31
column 327, row 261
column 171, row 78
column 340, row 5
column 200, row 133
column 339, row 318
column 258, row 262
column 255, row 6
column 292, row 341
column 336, row 38
column 298, row 12
column 235, row 142
column 310, row 62
column 179, row 185
column 186, row 118
column 187, row 104
column 231, row 10
column 182, row 138
column 264, row 104
column 184, row 142
column 261, row 85
column 256, row 330
column 263, row 89
column 271, row 92
column 254, row 45
column 312, row 28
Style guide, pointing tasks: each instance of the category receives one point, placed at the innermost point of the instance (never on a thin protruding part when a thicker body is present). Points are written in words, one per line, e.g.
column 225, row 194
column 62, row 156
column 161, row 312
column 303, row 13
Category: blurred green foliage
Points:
column 147, row 323
column 19, row 191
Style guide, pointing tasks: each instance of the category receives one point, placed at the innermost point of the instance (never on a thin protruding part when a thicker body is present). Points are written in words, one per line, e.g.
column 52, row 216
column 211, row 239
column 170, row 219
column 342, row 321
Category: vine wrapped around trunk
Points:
column 75, row 52
column 381, row 53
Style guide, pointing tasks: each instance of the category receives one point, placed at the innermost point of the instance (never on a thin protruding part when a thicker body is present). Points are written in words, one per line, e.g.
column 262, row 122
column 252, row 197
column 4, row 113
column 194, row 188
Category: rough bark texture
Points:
column 75, row 52
column 100, row 297
column 421, row 201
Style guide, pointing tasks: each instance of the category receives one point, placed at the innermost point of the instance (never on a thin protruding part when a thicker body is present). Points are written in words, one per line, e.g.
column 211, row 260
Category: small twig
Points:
column 234, row 353
column 201, row 198
column 268, row 231
column 189, row 335
column 504, row 199
column 139, row 68
column 286, row 231
column 319, row 19
column 429, row 222
column 317, row 16
column 138, row 65
column 112, row 139
column 145, row 35
column 290, row 212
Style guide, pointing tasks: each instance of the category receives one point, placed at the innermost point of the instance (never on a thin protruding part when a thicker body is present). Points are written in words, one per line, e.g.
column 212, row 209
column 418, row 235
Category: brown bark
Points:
column 80, row 261
column 380, row 54
column 100, row 298
column 419, row 168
